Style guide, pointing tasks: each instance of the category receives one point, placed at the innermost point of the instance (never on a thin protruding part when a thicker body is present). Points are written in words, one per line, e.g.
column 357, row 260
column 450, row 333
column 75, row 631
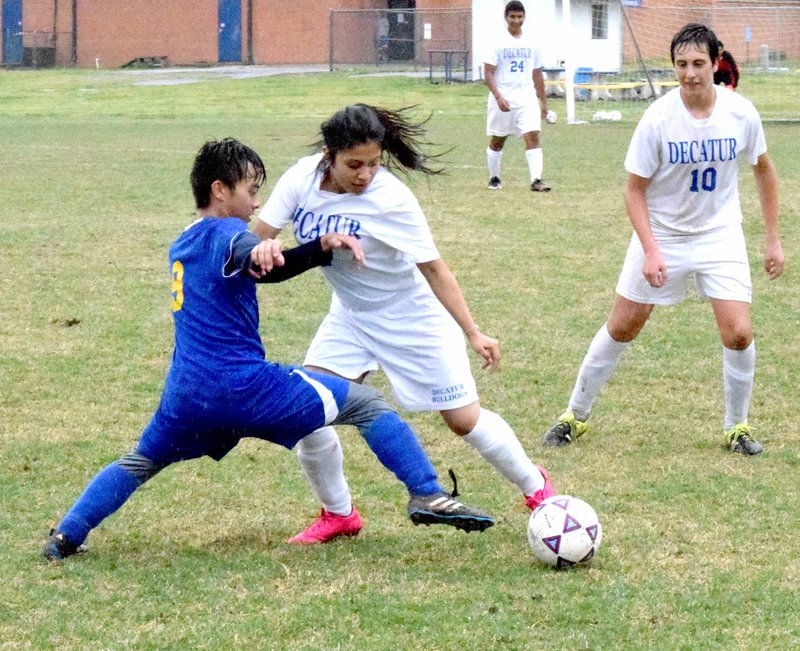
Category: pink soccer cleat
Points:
column 532, row 501
column 327, row 527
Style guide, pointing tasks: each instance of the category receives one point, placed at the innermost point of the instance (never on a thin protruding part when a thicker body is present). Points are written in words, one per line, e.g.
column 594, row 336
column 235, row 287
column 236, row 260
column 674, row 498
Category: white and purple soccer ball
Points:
column 563, row 531
column 551, row 117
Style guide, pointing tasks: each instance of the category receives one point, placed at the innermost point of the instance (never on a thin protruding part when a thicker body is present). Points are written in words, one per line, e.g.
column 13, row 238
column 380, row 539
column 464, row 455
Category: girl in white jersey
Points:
column 403, row 310
column 682, row 198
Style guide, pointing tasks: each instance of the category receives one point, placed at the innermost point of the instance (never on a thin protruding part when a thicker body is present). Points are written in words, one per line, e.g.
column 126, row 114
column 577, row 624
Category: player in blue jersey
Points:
column 682, row 198
column 220, row 389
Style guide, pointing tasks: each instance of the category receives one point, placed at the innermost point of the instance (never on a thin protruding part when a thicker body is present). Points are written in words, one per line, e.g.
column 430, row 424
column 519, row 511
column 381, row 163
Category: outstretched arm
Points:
column 267, row 263
column 447, row 290
column 767, row 187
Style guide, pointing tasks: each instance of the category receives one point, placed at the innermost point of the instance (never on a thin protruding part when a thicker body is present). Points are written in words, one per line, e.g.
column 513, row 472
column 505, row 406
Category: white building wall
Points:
column 544, row 18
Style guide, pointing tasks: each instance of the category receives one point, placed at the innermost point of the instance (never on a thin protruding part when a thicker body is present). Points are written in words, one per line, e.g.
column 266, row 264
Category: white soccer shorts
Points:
column 515, row 122
column 421, row 350
column 716, row 261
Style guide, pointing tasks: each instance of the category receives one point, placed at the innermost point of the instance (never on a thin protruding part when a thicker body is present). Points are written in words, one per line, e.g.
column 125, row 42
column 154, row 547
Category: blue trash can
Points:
column 582, row 76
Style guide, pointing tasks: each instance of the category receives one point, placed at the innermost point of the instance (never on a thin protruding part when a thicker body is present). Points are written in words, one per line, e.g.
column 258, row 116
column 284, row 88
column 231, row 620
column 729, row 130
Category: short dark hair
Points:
column 514, row 5
column 696, row 34
column 225, row 160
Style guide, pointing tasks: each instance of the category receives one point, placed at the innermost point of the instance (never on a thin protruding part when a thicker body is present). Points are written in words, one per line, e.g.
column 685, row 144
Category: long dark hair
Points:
column 401, row 139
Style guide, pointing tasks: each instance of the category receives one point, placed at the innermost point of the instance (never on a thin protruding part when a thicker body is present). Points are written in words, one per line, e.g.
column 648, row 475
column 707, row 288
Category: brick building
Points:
column 111, row 33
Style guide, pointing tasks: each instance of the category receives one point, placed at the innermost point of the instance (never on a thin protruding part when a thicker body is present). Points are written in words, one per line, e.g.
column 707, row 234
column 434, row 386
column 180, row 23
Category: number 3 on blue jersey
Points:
column 518, row 66
column 176, row 286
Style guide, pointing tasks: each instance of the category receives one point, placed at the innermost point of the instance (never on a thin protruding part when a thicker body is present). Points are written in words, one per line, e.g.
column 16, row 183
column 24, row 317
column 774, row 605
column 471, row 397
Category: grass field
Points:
column 700, row 546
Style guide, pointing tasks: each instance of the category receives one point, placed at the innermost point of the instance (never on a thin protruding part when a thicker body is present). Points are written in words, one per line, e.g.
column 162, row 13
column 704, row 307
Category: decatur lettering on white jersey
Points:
column 386, row 218
column 693, row 164
column 515, row 60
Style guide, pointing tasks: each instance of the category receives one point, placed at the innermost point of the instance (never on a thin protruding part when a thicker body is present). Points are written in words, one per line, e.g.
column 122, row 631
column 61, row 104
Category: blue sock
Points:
column 106, row 493
column 397, row 447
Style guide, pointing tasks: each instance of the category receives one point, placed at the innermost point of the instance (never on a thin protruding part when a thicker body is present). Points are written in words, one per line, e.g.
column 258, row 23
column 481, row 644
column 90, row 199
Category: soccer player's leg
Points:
column 399, row 450
column 491, row 436
column 103, row 496
column 725, row 279
column 320, row 455
column 170, row 436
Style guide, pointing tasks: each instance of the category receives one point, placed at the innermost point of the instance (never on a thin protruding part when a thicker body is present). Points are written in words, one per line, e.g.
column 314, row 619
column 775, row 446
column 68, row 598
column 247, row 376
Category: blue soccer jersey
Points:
column 215, row 311
column 219, row 387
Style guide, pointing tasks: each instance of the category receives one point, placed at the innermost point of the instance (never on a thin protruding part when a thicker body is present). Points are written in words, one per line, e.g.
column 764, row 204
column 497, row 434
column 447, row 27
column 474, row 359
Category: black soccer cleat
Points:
column 57, row 547
column 443, row 508
column 740, row 439
column 494, row 183
column 564, row 431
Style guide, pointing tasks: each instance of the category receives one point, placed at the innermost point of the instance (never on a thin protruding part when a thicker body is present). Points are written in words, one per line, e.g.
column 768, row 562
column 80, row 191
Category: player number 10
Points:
column 708, row 181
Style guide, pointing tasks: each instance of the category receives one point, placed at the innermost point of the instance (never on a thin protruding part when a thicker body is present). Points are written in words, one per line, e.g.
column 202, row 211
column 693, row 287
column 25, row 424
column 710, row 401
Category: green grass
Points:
column 700, row 547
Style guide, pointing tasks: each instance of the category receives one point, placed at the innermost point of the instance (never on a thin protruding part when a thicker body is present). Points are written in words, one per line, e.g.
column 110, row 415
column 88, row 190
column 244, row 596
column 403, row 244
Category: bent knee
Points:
column 737, row 340
column 462, row 421
column 140, row 466
column 363, row 406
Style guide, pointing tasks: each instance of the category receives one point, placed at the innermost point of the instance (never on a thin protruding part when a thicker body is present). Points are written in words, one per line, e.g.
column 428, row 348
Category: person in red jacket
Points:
column 727, row 71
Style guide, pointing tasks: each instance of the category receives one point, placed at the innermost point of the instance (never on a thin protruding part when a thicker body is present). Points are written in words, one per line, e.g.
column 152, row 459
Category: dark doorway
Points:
column 402, row 29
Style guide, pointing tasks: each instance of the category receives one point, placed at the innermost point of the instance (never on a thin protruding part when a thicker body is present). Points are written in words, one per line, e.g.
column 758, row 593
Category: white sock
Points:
column 320, row 454
column 496, row 442
column 597, row 368
column 535, row 159
column 493, row 160
column 738, row 371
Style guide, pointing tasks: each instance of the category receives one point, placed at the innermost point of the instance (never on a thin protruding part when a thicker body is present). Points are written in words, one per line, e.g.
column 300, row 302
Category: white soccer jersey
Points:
column 386, row 218
column 515, row 60
column 693, row 164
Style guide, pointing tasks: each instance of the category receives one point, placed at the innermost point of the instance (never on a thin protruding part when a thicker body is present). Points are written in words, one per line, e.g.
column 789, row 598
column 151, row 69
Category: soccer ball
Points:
column 564, row 530
column 551, row 117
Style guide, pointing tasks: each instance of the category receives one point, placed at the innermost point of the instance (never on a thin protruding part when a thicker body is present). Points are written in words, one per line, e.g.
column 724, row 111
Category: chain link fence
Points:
column 436, row 40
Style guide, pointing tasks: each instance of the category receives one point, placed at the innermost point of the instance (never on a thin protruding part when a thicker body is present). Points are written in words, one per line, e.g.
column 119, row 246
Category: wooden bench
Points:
column 604, row 91
column 626, row 90
column 611, row 91
column 148, row 62
column 658, row 89
column 554, row 88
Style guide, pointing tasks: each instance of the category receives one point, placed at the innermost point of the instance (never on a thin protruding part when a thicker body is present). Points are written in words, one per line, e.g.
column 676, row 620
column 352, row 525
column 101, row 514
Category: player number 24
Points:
column 707, row 180
column 517, row 66
column 176, row 286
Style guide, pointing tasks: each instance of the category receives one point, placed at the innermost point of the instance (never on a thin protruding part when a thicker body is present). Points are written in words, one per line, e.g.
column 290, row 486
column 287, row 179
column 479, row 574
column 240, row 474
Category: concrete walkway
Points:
column 191, row 75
